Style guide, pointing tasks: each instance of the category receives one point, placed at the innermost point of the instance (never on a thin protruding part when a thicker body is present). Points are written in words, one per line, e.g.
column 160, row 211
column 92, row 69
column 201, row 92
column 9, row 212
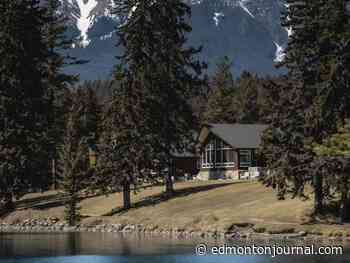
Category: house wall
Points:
column 220, row 172
column 214, row 174
column 186, row 165
column 236, row 165
column 228, row 172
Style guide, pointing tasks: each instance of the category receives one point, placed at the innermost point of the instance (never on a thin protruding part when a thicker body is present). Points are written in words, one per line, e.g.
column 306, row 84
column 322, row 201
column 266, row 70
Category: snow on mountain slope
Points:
column 279, row 56
column 243, row 6
column 217, row 17
column 248, row 31
column 85, row 18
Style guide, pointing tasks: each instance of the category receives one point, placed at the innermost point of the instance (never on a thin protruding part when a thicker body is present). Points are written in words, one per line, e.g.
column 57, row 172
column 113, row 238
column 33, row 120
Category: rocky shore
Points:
column 238, row 232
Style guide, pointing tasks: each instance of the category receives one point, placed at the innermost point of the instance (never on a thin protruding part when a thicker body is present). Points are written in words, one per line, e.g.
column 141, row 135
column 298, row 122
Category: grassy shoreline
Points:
column 199, row 207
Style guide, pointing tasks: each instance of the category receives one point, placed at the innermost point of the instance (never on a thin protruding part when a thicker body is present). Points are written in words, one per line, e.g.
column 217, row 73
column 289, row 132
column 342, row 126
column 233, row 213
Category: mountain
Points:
column 247, row 31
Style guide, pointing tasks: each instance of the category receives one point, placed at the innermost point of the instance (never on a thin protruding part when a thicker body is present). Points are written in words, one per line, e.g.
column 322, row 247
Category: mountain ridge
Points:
column 249, row 32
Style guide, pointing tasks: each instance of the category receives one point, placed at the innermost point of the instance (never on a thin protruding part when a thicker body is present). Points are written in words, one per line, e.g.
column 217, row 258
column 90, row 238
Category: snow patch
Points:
column 85, row 19
column 107, row 36
column 217, row 18
column 242, row 5
column 279, row 54
column 132, row 10
column 109, row 10
column 288, row 29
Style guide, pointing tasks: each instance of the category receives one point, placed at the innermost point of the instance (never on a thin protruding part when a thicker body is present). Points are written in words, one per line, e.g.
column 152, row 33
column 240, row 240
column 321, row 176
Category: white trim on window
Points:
column 246, row 153
column 223, row 165
column 208, row 155
column 217, row 153
column 225, row 152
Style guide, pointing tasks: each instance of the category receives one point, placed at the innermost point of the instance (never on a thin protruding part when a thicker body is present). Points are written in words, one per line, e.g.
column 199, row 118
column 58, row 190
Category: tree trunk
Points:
column 53, row 170
column 8, row 203
column 318, row 188
column 126, row 195
column 345, row 203
column 169, row 186
column 343, row 207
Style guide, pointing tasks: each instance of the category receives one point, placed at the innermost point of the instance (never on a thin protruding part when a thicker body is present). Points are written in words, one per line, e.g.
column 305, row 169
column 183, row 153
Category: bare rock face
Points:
column 249, row 32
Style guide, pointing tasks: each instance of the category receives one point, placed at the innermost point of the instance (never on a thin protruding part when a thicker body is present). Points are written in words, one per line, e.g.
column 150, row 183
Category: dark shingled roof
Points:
column 239, row 135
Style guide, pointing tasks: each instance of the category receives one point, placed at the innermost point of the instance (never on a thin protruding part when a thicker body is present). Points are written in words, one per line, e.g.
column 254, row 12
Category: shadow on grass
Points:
column 51, row 201
column 331, row 214
column 23, row 203
column 163, row 197
column 5, row 212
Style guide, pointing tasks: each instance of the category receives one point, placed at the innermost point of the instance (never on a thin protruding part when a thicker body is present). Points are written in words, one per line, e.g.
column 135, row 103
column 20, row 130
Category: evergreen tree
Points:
column 288, row 124
column 102, row 89
column 73, row 155
column 155, row 52
column 283, row 143
column 199, row 102
column 220, row 103
column 91, row 117
column 248, row 98
column 334, row 160
column 57, row 81
column 23, row 100
column 125, row 155
column 318, row 94
column 89, row 125
column 240, row 101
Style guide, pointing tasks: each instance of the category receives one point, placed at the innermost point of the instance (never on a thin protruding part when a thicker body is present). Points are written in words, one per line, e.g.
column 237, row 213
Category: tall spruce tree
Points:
column 74, row 158
column 283, row 143
column 222, row 91
column 125, row 151
column 235, row 101
column 23, row 100
column 334, row 153
column 302, row 19
column 155, row 52
column 57, row 81
column 318, row 93
column 91, row 117
column 247, row 102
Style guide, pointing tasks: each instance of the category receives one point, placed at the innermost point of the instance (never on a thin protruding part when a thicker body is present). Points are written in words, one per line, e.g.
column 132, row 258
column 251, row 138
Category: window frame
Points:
column 222, row 148
column 208, row 157
column 250, row 154
column 209, row 154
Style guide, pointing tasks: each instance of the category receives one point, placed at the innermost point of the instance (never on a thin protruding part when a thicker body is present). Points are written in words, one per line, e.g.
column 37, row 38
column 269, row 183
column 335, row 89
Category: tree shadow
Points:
column 27, row 202
column 5, row 212
column 53, row 200
column 56, row 200
column 163, row 197
column 331, row 214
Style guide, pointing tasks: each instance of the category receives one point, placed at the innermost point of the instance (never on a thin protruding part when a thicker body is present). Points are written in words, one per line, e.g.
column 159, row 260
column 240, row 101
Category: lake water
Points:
column 113, row 248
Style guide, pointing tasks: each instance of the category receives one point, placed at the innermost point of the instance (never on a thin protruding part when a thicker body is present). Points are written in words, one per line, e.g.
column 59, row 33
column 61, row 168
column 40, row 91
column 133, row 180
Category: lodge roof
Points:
column 236, row 135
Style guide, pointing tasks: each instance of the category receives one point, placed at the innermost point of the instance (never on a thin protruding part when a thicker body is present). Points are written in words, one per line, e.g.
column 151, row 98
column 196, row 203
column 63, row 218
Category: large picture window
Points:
column 245, row 158
column 224, row 154
column 208, row 155
column 217, row 153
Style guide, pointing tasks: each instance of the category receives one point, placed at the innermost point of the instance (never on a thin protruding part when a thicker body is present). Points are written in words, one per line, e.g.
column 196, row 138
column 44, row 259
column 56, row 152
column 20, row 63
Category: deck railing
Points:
column 252, row 173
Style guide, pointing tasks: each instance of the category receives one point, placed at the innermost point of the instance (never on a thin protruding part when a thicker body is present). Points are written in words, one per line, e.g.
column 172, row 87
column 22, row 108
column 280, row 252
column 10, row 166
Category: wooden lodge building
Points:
column 228, row 151
column 224, row 151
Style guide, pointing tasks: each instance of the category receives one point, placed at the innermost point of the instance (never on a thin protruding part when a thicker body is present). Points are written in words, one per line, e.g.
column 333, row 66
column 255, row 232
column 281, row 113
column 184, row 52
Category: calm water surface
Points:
column 113, row 248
